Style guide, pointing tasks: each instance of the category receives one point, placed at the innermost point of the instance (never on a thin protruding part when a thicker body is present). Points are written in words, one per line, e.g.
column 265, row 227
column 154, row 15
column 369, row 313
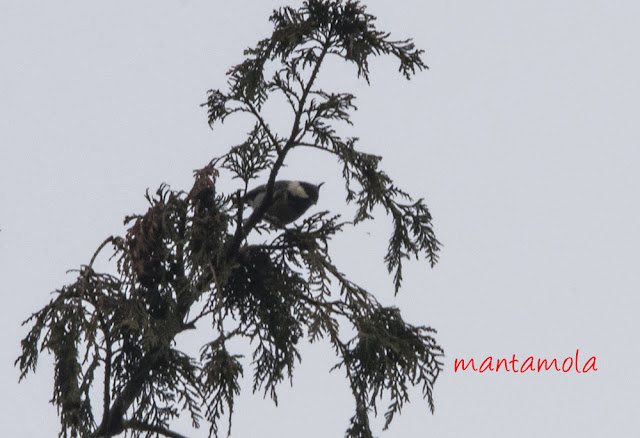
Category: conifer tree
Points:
column 187, row 260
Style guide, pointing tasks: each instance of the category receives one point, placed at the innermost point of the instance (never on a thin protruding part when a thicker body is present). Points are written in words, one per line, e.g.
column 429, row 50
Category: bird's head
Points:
column 305, row 190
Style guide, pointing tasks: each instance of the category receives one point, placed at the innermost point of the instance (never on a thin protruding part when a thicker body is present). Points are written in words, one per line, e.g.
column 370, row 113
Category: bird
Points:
column 291, row 199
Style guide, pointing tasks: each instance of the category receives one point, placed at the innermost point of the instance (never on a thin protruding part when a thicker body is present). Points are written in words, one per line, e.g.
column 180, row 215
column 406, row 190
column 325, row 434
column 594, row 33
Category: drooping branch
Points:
column 144, row 427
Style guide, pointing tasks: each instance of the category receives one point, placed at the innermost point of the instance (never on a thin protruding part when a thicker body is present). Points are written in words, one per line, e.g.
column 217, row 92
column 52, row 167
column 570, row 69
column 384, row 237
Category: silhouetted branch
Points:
column 139, row 425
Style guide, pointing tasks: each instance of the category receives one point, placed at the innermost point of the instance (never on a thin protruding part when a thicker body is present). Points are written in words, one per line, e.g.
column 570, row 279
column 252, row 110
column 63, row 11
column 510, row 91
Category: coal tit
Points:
column 290, row 200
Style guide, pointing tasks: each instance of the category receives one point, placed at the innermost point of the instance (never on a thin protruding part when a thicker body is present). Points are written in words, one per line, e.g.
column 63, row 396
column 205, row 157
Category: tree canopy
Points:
column 187, row 260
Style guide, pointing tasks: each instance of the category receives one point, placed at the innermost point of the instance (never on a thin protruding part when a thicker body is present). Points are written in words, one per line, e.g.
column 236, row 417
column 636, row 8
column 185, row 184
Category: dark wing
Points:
column 254, row 197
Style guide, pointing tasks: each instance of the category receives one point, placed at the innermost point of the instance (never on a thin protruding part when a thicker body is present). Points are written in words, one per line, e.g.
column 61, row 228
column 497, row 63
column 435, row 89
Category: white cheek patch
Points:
column 297, row 190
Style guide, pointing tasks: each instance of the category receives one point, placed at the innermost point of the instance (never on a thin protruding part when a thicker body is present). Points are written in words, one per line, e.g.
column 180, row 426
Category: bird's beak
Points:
column 318, row 188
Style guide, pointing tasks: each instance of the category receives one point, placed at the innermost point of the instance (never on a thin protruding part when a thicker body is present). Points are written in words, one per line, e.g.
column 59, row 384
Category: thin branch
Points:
column 265, row 127
column 287, row 91
column 333, row 306
column 107, row 376
column 109, row 239
column 315, row 146
column 238, row 235
column 218, row 308
column 259, row 212
column 139, row 425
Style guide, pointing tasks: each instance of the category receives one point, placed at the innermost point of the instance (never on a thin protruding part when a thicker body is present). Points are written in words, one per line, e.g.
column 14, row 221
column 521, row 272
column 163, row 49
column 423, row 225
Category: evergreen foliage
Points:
column 187, row 260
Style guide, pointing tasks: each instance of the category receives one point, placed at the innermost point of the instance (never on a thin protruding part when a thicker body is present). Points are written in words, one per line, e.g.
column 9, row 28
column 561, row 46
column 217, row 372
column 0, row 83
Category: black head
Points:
column 309, row 191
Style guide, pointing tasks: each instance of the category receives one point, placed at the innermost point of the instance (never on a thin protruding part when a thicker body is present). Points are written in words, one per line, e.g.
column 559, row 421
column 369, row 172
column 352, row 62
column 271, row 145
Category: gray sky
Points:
column 522, row 137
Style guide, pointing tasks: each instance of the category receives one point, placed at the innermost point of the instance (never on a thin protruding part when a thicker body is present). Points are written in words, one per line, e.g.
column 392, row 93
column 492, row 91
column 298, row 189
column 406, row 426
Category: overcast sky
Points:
column 522, row 138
